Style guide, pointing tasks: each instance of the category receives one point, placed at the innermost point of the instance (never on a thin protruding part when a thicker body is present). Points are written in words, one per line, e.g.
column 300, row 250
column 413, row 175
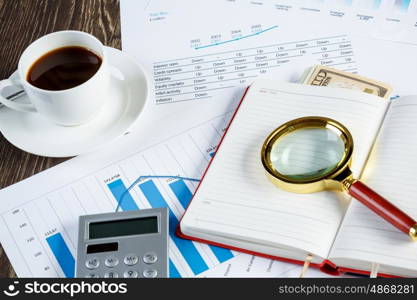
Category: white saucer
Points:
column 127, row 98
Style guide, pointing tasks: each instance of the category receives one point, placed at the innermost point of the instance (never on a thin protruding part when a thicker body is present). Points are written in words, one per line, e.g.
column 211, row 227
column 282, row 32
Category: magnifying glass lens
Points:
column 307, row 153
column 312, row 154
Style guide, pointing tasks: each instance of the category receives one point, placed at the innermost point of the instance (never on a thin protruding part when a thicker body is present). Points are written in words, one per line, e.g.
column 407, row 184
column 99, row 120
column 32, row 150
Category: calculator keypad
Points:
column 111, row 266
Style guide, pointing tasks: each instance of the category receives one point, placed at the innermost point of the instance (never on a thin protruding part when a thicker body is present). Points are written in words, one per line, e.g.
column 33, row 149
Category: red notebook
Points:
column 236, row 207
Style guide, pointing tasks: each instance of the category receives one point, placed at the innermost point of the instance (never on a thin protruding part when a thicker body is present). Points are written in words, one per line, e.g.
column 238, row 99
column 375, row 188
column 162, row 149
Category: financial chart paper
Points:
column 202, row 50
column 165, row 36
column 40, row 233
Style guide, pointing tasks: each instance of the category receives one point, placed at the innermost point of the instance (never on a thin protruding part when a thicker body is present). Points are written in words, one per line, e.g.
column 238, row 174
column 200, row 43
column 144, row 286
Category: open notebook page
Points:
column 392, row 172
column 236, row 199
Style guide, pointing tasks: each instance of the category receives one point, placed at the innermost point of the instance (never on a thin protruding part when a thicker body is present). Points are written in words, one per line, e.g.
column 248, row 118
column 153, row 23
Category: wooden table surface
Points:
column 22, row 22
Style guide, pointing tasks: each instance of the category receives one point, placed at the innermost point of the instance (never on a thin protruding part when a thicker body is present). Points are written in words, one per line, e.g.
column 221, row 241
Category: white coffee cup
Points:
column 67, row 107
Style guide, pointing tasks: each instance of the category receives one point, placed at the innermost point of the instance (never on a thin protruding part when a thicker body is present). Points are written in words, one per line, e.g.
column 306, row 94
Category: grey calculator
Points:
column 127, row 244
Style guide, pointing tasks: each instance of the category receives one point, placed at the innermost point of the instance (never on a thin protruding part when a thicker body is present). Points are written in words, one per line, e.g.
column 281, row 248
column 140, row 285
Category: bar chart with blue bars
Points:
column 184, row 195
column 62, row 254
column 153, row 196
column 45, row 229
column 118, row 189
column 402, row 5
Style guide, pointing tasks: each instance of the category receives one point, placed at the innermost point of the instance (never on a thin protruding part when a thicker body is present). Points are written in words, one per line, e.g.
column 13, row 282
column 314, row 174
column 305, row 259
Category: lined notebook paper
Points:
column 392, row 171
column 236, row 205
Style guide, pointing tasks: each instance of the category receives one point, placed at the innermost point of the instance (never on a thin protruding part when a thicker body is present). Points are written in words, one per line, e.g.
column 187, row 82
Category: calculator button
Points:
column 150, row 258
column 150, row 273
column 92, row 275
column 92, row 263
column 111, row 275
column 111, row 262
column 131, row 260
column 130, row 274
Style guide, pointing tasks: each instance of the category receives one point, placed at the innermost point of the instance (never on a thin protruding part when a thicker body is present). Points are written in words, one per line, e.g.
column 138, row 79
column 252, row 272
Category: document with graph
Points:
column 393, row 20
column 39, row 216
column 223, row 45
column 217, row 50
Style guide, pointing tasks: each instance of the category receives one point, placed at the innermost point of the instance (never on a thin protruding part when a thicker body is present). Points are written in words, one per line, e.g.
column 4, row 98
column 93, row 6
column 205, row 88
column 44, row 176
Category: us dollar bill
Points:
column 326, row 76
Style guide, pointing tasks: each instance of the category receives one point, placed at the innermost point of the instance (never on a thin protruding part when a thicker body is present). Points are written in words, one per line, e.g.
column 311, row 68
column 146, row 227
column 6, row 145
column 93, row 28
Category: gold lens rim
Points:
column 302, row 123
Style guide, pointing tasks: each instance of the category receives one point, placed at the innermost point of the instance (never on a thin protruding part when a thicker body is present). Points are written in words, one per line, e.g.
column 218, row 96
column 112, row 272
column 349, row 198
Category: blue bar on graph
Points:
column 181, row 191
column 402, row 4
column 222, row 254
column 62, row 254
column 377, row 4
column 184, row 195
column 173, row 272
column 187, row 248
column 118, row 188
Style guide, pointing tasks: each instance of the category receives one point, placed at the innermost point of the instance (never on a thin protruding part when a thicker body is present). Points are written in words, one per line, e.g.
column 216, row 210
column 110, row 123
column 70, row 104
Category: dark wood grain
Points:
column 22, row 22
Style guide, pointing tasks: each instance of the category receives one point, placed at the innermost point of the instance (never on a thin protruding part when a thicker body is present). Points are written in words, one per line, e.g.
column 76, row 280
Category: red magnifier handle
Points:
column 384, row 208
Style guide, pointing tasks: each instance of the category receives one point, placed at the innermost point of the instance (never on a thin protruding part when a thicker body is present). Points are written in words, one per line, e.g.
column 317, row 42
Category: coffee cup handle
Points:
column 23, row 107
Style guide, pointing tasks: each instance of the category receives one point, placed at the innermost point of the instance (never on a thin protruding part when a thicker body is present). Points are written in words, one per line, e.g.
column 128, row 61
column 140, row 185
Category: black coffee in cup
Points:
column 64, row 68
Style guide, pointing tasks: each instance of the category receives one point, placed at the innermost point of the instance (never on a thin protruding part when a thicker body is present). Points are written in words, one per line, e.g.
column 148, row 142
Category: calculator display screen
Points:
column 108, row 229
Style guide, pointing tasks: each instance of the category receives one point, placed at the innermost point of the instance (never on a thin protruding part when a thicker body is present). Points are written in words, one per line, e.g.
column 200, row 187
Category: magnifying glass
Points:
column 313, row 154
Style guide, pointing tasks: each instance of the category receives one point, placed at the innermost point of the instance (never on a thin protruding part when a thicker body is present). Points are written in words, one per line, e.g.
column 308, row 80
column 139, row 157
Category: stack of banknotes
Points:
column 325, row 76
